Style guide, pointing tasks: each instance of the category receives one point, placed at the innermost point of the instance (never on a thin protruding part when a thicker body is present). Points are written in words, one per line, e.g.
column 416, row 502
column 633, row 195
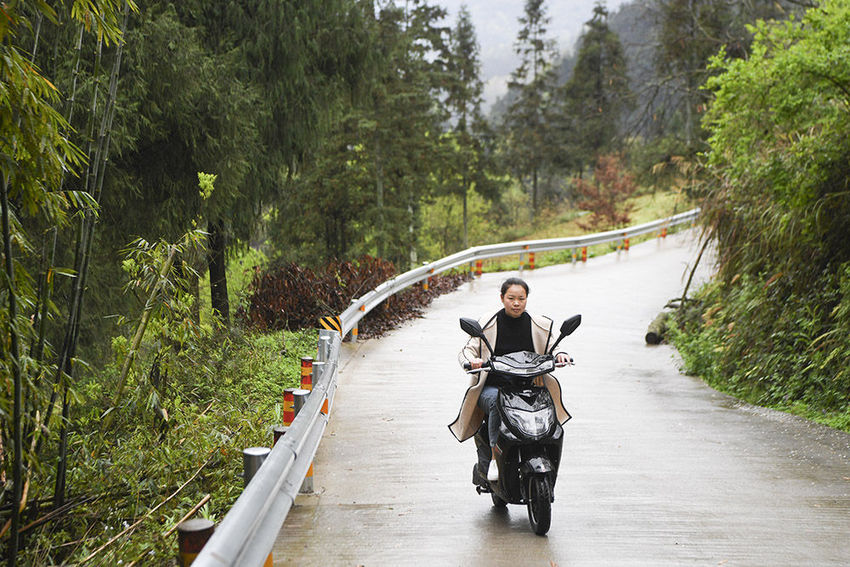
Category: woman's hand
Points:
column 475, row 363
column 562, row 359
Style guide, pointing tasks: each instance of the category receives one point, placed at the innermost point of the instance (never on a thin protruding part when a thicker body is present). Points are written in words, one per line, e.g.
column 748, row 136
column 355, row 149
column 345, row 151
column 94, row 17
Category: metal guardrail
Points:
column 247, row 533
column 360, row 306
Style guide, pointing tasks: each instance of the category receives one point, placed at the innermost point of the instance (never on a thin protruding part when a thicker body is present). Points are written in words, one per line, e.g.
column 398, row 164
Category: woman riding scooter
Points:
column 510, row 330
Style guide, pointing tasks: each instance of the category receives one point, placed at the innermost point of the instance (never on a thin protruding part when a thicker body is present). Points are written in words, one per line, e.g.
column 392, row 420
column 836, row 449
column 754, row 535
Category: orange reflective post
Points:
column 307, row 373
column 192, row 535
column 584, row 254
column 288, row 406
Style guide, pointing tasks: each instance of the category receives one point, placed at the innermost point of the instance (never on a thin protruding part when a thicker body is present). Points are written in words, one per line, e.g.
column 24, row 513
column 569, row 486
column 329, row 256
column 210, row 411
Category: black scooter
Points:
column 528, row 448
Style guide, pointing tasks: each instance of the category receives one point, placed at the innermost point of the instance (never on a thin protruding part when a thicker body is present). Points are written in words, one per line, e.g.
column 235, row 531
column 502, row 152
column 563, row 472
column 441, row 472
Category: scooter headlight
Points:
column 532, row 423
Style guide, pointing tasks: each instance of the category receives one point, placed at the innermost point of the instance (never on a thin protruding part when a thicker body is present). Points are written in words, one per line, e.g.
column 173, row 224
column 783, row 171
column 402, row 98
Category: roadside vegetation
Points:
column 774, row 326
column 187, row 186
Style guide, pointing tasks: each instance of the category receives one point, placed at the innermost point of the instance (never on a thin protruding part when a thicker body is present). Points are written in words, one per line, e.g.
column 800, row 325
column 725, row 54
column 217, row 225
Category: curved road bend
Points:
column 658, row 468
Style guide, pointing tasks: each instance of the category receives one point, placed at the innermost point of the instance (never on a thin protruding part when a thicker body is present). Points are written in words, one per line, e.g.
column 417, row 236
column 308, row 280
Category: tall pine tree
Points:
column 528, row 122
column 596, row 96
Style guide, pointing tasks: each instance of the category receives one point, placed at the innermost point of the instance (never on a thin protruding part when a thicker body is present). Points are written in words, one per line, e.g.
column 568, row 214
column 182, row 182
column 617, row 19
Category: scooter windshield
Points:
column 523, row 364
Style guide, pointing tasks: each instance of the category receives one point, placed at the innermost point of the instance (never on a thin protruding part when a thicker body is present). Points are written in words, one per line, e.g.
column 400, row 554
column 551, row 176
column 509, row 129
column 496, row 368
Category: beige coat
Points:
column 470, row 416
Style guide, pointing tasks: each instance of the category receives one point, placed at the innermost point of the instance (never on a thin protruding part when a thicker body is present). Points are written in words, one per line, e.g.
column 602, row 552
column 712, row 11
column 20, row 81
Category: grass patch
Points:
column 565, row 223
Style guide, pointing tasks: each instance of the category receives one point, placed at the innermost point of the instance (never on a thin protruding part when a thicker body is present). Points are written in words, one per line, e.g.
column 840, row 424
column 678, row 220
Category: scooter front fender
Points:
column 536, row 465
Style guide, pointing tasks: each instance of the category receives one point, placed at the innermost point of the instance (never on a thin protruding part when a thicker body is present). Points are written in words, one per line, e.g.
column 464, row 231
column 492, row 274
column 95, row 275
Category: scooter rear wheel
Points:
column 539, row 505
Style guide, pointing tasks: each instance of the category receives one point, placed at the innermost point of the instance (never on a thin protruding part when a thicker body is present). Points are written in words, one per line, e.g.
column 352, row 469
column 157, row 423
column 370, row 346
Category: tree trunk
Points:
column 379, row 187
column 656, row 330
column 534, row 194
column 218, row 272
column 465, row 217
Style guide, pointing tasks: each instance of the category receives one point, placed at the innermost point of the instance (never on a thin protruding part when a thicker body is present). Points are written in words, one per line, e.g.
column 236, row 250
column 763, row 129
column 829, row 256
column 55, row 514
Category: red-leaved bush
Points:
column 288, row 296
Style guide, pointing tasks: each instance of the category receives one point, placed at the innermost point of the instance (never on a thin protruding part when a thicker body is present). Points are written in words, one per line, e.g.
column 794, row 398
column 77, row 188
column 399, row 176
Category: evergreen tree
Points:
column 596, row 96
column 528, row 121
column 469, row 161
column 383, row 153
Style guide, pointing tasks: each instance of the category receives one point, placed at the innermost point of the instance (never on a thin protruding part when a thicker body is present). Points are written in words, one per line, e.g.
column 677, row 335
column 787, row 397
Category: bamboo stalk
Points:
column 137, row 338
column 94, row 183
column 18, row 442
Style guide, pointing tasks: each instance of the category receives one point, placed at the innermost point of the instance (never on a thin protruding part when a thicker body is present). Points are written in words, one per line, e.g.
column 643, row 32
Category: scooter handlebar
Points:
column 570, row 361
column 468, row 367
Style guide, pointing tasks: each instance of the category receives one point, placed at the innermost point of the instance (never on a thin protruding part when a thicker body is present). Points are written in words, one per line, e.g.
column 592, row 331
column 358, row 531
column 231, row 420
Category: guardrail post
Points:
column 307, row 373
column 324, row 347
column 574, row 255
column 191, row 537
column 252, row 459
column 300, row 398
column 278, row 432
column 354, row 330
column 521, row 259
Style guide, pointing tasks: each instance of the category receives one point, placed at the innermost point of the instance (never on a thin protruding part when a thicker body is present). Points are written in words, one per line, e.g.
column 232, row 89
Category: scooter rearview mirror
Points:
column 471, row 327
column 567, row 328
column 570, row 325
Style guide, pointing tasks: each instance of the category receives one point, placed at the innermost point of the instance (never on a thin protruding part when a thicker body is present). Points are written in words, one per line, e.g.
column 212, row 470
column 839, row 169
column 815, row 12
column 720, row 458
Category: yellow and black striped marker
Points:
column 331, row 323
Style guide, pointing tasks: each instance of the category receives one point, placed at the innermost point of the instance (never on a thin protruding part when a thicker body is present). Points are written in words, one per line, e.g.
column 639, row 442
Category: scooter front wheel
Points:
column 539, row 505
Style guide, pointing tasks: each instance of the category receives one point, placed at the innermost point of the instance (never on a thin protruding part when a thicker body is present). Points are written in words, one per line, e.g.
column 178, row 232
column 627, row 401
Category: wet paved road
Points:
column 658, row 469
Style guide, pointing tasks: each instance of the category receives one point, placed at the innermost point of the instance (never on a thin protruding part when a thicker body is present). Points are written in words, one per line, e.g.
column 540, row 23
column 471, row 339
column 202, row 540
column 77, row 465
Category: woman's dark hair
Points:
column 514, row 281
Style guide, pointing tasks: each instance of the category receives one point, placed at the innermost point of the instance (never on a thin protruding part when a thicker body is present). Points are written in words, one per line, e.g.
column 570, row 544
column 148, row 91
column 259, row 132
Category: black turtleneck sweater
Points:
column 513, row 333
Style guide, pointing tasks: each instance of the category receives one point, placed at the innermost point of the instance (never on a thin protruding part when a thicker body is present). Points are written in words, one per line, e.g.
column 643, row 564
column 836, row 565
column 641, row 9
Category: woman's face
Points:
column 514, row 300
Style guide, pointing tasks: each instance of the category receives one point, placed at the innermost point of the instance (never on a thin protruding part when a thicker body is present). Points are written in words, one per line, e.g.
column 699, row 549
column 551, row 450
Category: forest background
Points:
column 170, row 167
